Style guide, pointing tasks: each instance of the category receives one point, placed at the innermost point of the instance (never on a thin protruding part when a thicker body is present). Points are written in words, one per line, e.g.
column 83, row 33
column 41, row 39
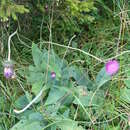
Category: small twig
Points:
column 9, row 50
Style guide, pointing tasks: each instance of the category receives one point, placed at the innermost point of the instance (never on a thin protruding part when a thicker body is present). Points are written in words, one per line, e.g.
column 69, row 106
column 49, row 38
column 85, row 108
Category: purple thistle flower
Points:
column 8, row 72
column 8, row 69
column 53, row 75
column 112, row 67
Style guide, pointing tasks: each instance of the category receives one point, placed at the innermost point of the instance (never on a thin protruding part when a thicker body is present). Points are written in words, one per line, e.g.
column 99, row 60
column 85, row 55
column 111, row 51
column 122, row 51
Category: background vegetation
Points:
column 60, row 36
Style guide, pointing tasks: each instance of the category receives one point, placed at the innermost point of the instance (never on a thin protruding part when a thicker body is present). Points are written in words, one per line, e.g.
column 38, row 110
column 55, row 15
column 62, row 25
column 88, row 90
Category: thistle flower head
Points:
column 8, row 72
column 8, row 69
column 53, row 75
column 112, row 67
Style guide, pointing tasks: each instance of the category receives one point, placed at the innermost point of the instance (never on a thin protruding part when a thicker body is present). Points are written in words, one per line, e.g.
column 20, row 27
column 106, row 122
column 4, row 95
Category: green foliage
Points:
column 69, row 125
column 32, row 122
column 21, row 102
column 27, row 125
column 81, row 9
column 61, row 90
column 102, row 77
column 85, row 99
column 125, row 94
column 10, row 9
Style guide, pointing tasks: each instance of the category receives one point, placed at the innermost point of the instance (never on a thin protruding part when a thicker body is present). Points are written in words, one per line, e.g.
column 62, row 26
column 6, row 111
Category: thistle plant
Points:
column 8, row 64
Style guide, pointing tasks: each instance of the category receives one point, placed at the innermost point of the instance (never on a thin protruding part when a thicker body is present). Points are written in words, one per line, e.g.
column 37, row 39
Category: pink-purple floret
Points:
column 8, row 72
column 53, row 75
column 112, row 67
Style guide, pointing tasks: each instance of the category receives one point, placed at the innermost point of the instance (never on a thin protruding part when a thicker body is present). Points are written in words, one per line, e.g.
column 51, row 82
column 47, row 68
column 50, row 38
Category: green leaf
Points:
column 53, row 127
column 113, row 128
column 125, row 94
column 14, row 16
column 35, row 77
column 127, row 83
column 54, row 63
column 85, row 100
column 51, row 111
column 35, row 116
column 37, row 55
column 28, row 95
column 69, row 125
column 56, row 92
column 1, row 128
column 27, row 125
column 36, row 87
column 21, row 102
column 68, row 99
column 57, row 69
column 80, row 76
column 9, row 8
column 102, row 77
column 2, row 102
column 66, row 113
column 41, row 60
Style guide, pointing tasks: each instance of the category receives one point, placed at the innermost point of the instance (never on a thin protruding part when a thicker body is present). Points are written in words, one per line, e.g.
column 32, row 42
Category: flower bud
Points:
column 53, row 75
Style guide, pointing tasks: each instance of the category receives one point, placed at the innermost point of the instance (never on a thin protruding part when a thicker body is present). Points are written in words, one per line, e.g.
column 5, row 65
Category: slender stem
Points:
column 9, row 50
column 122, row 53
column 68, row 48
column 76, row 49
column 84, row 52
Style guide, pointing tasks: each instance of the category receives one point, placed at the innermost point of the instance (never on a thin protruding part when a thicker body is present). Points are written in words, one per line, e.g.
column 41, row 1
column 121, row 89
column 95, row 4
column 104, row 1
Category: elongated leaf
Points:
column 37, row 55
column 80, row 76
column 54, row 95
column 102, row 77
column 36, row 87
column 21, row 102
column 36, row 77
